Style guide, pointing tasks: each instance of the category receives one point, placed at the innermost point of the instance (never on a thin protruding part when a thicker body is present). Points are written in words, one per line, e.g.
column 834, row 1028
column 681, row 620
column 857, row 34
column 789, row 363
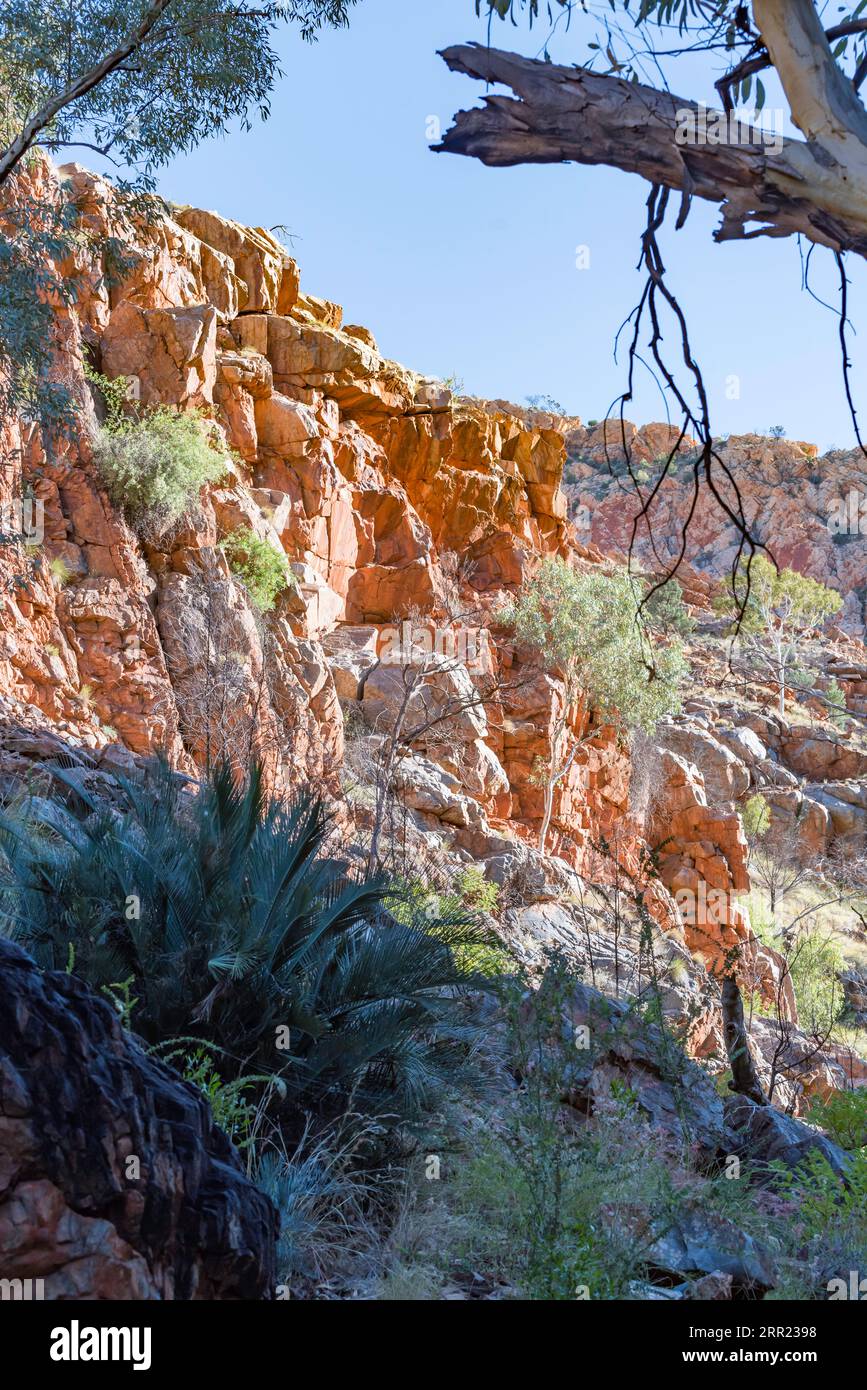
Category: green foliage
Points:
column 815, row 966
column 155, row 465
column 232, row 1110
column 204, row 66
column 783, row 601
column 531, row 1193
column 825, row 1201
column 586, row 624
column 59, row 571
column 473, row 894
column 507, row 9
column 780, row 612
column 35, row 235
column 454, row 383
column 667, row 611
column 119, row 993
column 236, row 929
column 756, row 818
column 476, row 891
column 844, row 1115
column 547, row 1208
column 331, row 1201
column 114, row 393
column 201, row 67
column 546, row 403
column 260, row 567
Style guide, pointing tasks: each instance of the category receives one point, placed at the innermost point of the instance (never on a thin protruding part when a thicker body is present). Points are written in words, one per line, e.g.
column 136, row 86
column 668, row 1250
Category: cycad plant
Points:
column 230, row 923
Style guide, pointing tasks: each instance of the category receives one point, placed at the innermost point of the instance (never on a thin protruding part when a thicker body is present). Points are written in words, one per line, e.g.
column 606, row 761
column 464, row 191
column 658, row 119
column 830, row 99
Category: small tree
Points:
column 667, row 611
column 587, row 627
column 784, row 611
column 261, row 568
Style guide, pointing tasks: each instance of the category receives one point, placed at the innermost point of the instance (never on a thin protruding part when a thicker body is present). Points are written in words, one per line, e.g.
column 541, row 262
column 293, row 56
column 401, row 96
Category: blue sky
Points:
column 459, row 269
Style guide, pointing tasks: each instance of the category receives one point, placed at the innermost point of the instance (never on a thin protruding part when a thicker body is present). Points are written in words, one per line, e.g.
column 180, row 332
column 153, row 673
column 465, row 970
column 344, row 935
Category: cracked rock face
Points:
column 115, row 1183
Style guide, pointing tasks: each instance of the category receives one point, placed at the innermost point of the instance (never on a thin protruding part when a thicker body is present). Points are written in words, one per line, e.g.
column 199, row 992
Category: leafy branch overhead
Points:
column 138, row 82
column 134, row 82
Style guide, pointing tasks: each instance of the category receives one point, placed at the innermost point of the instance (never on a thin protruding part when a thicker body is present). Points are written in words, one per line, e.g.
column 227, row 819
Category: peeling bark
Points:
column 566, row 114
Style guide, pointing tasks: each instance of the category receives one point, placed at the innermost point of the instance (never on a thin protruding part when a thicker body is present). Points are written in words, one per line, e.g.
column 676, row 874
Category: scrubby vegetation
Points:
column 779, row 613
column 237, row 932
column 153, row 463
column 586, row 628
column 261, row 569
column 394, row 1080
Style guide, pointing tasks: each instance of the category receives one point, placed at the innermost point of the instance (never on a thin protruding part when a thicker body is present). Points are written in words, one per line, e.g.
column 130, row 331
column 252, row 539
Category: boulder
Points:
column 115, row 1183
column 442, row 696
column 426, row 787
column 670, row 1089
column 169, row 354
column 725, row 776
column 763, row 1135
column 267, row 271
column 695, row 1242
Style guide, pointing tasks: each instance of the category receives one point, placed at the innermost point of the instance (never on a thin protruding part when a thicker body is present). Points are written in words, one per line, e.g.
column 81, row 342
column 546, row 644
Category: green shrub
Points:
column 844, row 1116
column 585, row 625
column 476, row 890
column 756, row 818
column 667, row 610
column 261, row 569
column 115, row 394
column 155, row 465
column 836, row 697
column 815, row 965
column 544, row 1207
column 231, row 1107
column 829, row 1221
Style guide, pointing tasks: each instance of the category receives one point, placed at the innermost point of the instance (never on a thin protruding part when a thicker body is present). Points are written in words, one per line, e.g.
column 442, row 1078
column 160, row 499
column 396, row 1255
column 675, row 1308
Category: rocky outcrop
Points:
column 811, row 511
column 395, row 504
column 115, row 1183
column 364, row 474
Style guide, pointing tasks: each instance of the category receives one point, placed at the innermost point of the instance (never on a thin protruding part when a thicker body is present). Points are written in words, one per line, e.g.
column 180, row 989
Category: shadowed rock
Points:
column 115, row 1183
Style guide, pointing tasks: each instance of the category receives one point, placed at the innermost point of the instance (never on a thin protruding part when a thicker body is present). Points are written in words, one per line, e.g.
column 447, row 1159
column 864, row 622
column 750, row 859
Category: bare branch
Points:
column 567, row 114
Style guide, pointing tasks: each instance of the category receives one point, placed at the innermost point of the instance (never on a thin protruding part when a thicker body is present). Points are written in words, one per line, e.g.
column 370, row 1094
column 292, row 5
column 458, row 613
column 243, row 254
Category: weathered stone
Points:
column 115, row 1183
